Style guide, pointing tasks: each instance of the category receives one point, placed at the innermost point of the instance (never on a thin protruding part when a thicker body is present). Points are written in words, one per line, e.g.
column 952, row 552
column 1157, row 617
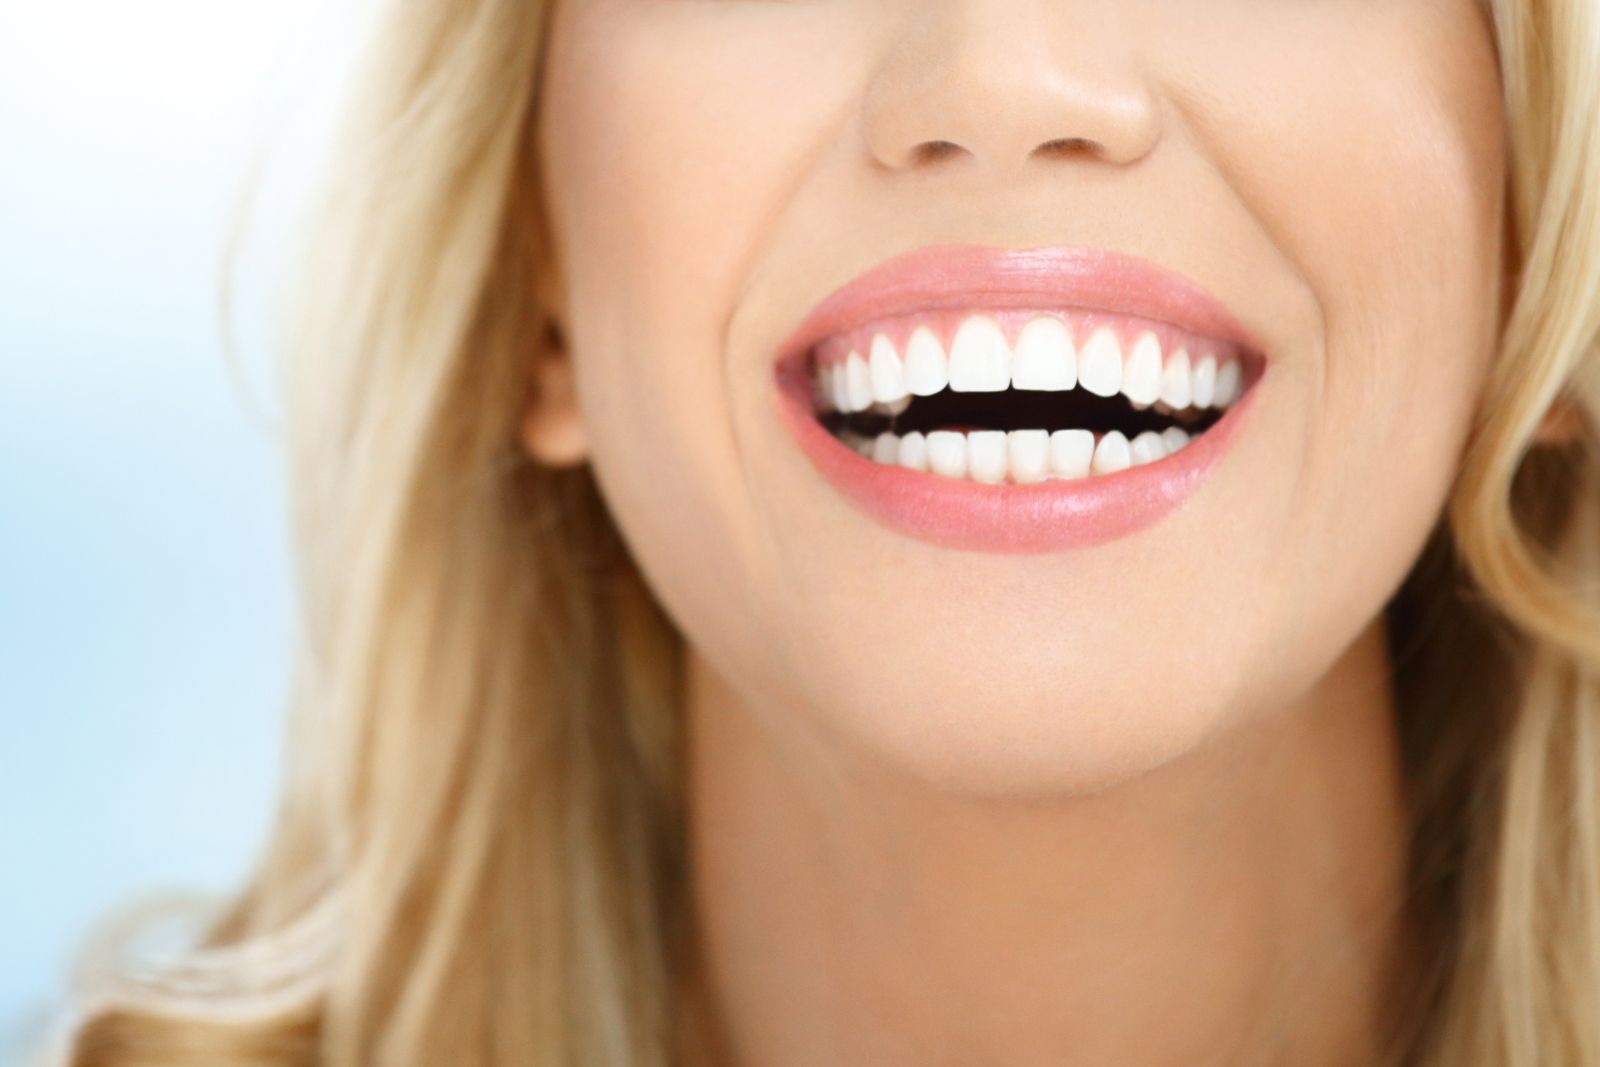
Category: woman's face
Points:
column 1326, row 175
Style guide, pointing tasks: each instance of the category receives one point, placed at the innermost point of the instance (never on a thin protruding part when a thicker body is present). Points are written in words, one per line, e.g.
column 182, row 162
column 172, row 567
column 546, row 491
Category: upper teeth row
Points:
column 981, row 360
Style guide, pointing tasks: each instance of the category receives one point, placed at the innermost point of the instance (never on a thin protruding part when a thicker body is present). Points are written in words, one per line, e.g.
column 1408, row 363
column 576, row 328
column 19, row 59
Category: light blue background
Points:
column 145, row 597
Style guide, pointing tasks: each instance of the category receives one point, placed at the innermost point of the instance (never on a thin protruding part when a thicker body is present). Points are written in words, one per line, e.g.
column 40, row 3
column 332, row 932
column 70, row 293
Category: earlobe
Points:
column 552, row 428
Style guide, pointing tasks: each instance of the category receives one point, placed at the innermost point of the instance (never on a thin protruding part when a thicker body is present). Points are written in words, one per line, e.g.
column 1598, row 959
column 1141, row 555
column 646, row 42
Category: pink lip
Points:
column 1044, row 516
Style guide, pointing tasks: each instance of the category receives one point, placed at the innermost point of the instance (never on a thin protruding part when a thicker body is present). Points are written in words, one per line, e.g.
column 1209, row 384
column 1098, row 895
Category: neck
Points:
column 1239, row 906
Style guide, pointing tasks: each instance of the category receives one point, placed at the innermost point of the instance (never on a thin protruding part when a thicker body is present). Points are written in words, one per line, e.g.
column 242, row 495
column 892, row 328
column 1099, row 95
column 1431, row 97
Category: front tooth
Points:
column 1111, row 454
column 885, row 448
column 1205, row 382
column 926, row 369
column 1070, row 453
column 1141, row 377
column 1176, row 386
column 1174, row 437
column 980, row 360
column 894, row 407
column 1100, row 363
column 838, row 387
column 1044, row 357
column 858, row 382
column 947, row 453
column 913, row 451
column 1227, row 390
column 986, row 455
column 1029, row 453
column 1147, row 448
column 888, row 374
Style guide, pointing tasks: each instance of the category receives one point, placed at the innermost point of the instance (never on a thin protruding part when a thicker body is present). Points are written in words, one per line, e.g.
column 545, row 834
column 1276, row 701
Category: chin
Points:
column 1057, row 724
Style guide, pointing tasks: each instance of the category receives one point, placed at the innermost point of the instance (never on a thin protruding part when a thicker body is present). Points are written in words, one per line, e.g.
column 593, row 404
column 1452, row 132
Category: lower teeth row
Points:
column 1020, row 456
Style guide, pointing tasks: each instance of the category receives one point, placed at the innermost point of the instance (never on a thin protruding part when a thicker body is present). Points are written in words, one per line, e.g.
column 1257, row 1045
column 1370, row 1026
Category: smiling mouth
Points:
column 1022, row 395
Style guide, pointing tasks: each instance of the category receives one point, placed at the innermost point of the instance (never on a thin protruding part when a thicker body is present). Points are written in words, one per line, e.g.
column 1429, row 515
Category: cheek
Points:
column 1370, row 146
column 664, row 174
column 663, row 178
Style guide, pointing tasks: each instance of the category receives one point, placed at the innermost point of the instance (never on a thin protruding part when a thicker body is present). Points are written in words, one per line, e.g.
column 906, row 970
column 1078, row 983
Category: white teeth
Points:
column 1147, row 448
column 1100, row 363
column 913, row 452
column 1029, row 453
column 980, row 360
column 838, row 389
column 1176, row 384
column 888, row 375
column 986, row 455
column 926, row 369
column 858, row 383
column 1141, row 377
column 1205, row 382
column 1044, row 357
column 947, row 453
column 1023, row 457
column 1071, row 452
column 1111, row 454
column 1227, row 390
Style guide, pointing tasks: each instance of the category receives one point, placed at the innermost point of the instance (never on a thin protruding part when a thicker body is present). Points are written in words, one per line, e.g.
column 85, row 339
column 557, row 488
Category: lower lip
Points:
column 1048, row 516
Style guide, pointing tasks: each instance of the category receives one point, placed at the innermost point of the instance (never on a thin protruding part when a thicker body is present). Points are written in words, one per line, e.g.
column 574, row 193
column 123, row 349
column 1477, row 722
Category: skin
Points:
column 1138, row 803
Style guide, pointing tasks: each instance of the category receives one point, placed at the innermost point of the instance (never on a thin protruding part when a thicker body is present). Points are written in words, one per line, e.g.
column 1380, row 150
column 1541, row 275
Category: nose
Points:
column 1003, row 82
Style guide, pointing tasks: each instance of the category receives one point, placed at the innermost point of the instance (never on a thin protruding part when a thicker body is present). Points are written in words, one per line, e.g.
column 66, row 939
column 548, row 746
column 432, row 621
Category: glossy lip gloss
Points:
column 1052, row 515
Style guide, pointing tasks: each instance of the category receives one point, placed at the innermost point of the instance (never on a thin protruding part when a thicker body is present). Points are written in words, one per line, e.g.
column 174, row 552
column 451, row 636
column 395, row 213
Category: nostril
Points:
column 933, row 151
column 1066, row 146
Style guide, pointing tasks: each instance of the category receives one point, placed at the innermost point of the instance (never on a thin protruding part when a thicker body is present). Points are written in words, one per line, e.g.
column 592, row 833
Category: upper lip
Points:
column 976, row 276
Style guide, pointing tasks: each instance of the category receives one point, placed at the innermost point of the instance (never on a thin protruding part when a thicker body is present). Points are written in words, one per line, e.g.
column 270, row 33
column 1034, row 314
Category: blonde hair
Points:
column 480, row 855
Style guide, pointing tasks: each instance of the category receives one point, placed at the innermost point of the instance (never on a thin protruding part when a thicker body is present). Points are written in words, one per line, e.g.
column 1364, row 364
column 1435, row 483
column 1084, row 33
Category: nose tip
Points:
column 1005, row 93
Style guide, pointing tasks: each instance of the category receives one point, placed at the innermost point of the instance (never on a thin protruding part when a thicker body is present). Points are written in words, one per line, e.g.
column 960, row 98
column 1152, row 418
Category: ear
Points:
column 1561, row 424
column 552, row 429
